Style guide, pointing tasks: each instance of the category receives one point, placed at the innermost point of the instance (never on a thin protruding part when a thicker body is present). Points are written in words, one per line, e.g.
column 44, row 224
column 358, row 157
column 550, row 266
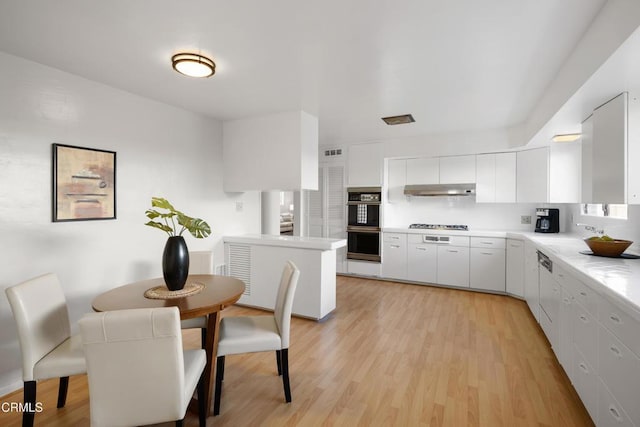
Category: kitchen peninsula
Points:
column 257, row 259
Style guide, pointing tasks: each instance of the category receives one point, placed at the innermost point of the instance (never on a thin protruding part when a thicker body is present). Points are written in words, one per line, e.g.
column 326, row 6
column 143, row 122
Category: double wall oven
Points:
column 363, row 223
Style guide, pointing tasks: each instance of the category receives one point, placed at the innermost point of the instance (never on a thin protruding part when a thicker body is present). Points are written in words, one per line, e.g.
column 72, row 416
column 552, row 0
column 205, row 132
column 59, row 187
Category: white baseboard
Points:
column 6, row 389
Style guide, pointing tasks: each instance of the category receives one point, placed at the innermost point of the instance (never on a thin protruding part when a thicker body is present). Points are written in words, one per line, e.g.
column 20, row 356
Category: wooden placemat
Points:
column 162, row 292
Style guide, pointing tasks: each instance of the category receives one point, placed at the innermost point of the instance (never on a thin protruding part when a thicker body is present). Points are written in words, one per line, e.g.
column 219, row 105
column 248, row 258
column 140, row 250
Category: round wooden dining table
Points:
column 219, row 292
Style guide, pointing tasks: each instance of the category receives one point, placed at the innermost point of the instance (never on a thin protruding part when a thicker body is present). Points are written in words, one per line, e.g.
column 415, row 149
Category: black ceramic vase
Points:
column 175, row 263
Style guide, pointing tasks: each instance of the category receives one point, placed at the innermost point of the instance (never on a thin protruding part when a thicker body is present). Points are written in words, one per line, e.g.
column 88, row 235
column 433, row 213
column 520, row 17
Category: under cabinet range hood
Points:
column 433, row 190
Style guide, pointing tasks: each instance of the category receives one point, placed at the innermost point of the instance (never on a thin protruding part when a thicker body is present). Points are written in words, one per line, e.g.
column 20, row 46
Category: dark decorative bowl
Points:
column 611, row 248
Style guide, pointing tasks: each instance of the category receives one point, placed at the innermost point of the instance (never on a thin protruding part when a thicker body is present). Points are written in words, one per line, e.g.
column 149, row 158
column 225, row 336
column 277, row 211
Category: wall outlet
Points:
column 239, row 206
column 525, row 219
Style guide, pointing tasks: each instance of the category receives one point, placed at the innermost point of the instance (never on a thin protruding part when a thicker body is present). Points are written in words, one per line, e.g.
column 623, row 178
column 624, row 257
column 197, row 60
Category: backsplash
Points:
column 461, row 210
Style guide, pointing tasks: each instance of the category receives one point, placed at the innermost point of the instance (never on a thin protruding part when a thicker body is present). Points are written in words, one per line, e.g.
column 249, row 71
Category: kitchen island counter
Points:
column 258, row 260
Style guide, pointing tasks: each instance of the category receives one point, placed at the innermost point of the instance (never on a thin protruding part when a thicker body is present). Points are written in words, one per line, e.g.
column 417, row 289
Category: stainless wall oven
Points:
column 363, row 223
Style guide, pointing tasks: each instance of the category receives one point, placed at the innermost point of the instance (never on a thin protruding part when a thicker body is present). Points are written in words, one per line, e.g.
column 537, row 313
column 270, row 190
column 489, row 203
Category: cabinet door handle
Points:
column 486, row 253
column 561, row 275
column 394, row 237
column 615, row 318
column 487, row 243
column 451, row 250
column 395, row 246
column 566, row 301
column 583, row 293
column 421, row 249
column 614, row 413
column 615, row 350
column 583, row 367
column 584, row 318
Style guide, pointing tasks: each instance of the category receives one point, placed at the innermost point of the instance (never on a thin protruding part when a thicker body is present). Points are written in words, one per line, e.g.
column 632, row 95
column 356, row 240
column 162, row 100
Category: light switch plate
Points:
column 525, row 219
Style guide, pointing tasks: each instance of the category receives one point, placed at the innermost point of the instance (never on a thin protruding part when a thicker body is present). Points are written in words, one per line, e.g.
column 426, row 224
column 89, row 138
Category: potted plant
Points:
column 175, row 258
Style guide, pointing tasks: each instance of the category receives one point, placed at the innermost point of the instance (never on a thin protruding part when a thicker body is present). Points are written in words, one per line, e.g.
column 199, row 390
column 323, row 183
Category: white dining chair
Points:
column 137, row 369
column 200, row 262
column 249, row 334
column 47, row 346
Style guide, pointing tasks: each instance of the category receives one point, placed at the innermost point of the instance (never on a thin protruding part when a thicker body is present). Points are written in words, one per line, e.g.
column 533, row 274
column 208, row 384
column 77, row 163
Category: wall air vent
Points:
column 333, row 152
column 399, row 120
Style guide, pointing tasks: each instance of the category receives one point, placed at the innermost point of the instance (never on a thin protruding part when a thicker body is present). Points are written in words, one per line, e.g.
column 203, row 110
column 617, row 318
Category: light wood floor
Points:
column 391, row 354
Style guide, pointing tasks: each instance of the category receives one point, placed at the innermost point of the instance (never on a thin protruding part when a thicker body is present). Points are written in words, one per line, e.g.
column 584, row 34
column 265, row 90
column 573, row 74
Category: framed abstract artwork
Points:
column 84, row 183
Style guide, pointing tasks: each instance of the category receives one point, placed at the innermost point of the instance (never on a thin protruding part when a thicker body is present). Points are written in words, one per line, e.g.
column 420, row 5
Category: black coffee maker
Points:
column 547, row 220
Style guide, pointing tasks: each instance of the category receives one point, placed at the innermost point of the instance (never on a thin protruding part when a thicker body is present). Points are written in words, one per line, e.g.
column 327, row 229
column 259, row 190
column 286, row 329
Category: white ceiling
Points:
column 459, row 65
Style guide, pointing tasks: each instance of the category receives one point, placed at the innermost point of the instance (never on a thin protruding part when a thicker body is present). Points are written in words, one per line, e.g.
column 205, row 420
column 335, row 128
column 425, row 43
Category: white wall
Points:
column 161, row 151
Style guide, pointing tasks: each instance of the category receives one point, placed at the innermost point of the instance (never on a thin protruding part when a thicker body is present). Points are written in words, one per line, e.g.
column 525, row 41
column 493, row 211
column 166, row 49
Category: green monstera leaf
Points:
column 174, row 222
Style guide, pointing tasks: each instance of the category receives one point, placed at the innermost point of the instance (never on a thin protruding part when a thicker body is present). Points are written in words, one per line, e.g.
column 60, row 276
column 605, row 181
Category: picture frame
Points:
column 84, row 183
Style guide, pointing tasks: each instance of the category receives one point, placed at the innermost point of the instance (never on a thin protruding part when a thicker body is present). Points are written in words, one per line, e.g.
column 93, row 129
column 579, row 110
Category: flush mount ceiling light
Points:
column 193, row 65
column 399, row 120
column 567, row 137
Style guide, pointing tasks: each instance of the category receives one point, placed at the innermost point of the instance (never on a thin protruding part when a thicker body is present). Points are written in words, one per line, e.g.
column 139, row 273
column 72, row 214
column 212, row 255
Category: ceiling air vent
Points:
column 399, row 120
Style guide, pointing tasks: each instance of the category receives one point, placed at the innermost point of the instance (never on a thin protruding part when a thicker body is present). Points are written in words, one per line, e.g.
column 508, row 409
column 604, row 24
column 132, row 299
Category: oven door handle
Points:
column 358, row 229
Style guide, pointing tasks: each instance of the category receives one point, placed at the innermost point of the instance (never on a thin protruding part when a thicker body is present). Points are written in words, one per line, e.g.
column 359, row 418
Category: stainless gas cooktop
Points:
column 457, row 227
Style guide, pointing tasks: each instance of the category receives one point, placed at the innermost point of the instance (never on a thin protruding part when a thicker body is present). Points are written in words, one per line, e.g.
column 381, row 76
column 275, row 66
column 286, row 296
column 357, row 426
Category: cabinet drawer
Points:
column 582, row 293
column 625, row 327
column 610, row 413
column 399, row 238
column 585, row 333
column 585, row 381
column 619, row 369
column 562, row 277
column 487, row 242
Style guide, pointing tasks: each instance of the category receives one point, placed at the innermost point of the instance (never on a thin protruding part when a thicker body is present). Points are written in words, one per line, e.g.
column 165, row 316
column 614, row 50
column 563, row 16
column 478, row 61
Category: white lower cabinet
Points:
column 531, row 287
column 585, row 381
column 515, row 267
column 394, row 256
column 453, row 266
column 565, row 336
column 619, row 369
column 610, row 413
column 487, row 269
column 550, row 296
column 422, row 260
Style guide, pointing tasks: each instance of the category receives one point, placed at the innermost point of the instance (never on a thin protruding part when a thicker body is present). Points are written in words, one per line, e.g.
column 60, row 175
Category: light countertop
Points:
column 616, row 278
column 317, row 243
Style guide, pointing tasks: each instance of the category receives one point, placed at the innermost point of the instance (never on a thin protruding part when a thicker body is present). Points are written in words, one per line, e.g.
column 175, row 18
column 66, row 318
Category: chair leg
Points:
column 179, row 423
column 218, row 391
column 30, row 402
column 279, row 362
column 285, row 374
column 202, row 405
column 62, row 391
column 203, row 337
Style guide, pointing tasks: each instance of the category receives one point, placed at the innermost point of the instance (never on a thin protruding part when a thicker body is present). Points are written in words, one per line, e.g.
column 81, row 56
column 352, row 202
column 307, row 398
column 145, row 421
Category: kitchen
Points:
column 47, row 101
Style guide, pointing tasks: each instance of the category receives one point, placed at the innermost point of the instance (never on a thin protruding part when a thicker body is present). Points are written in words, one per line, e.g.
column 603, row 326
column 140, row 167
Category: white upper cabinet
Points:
column 424, row 170
column 610, row 149
column 532, row 181
column 458, row 169
column 396, row 180
column 496, row 178
column 608, row 171
column 441, row 170
column 565, row 172
column 365, row 165
column 505, row 177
